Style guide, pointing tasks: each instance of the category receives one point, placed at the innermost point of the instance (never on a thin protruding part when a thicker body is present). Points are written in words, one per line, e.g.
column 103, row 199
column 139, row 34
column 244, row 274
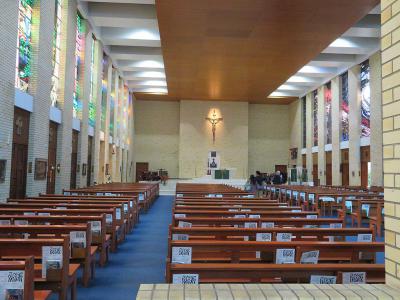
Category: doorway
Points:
column 328, row 160
column 344, row 167
column 315, row 169
column 89, row 168
column 365, row 163
column 141, row 167
column 19, row 157
column 52, row 159
column 74, row 158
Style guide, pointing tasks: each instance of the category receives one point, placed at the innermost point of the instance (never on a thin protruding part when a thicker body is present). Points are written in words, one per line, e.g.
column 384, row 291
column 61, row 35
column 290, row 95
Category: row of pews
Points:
column 219, row 234
column 45, row 240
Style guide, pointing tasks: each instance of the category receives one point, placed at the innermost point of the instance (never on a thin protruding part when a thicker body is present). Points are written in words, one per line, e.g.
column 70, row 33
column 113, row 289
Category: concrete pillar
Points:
column 321, row 136
column 67, row 66
column 354, row 126
column 336, row 121
column 8, row 48
column 376, row 120
column 309, row 127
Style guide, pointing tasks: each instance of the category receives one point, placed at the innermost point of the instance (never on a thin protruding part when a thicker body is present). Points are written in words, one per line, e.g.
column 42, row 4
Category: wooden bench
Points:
column 276, row 213
column 59, row 281
column 99, row 237
column 84, row 256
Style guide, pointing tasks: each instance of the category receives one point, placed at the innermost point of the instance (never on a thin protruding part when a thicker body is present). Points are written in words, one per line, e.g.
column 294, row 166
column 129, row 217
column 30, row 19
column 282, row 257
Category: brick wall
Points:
column 391, row 135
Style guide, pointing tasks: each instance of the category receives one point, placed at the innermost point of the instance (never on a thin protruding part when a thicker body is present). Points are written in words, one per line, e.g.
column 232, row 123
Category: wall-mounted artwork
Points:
column 40, row 169
column 3, row 164
column 344, row 106
column 365, row 100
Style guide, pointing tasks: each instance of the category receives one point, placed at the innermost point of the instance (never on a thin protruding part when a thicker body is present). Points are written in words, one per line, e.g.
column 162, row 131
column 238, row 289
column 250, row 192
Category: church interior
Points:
column 187, row 149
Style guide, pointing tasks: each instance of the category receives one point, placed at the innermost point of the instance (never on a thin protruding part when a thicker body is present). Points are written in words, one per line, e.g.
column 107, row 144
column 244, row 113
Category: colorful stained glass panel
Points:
column 365, row 100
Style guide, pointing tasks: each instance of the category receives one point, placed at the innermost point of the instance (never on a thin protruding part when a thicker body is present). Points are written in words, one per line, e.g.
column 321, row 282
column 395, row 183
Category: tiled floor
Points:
column 266, row 291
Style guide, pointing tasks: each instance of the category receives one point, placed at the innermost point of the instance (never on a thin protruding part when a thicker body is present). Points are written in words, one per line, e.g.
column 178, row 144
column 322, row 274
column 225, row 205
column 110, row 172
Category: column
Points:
column 354, row 126
column 391, row 137
column 107, row 123
column 376, row 120
column 96, row 139
column 67, row 71
column 321, row 136
column 8, row 49
column 309, row 128
column 336, row 121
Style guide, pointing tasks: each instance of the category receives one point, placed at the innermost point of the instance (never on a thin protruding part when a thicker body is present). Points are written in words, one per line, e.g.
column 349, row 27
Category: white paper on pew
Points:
column 267, row 225
column 78, row 238
column 245, row 209
column 218, row 196
column 125, row 208
column 183, row 224
column 181, row 255
column 282, row 205
column 5, row 222
column 311, row 198
column 334, row 225
column 51, row 258
column 250, row 224
column 364, row 237
column 131, row 203
column 302, row 196
column 29, row 214
column 61, row 207
column 179, row 195
column 233, row 209
column 21, row 222
column 118, row 213
column 296, row 210
column 310, row 257
column 321, row 279
column 99, row 194
column 285, row 256
column 11, row 280
column 95, row 226
column 365, row 207
column 283, row 237
column 254, row 216
column 312, row 217
column 237, row 205
column 354, row 277
column 263, row 237
column 180, row 215
column 44, row 214
column 74, row 194
column 210, row 196
column 240, row 216
column 109, row 218
column 67, row 193
column 349, row 206
column 180, row 237
column 185, row 278
column 246, row 238
column 141, row 197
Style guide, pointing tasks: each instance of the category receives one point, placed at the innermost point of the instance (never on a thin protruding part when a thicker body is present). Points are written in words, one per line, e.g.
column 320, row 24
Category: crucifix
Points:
column 214, row 120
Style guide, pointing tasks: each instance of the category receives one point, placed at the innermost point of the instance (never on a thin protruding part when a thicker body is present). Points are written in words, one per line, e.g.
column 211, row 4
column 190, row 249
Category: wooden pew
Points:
column 98, row 231
column 26, row 266
column 84, row 256
column 275, row 273
column 58, row 281
column 276, row 213
column 112, row 223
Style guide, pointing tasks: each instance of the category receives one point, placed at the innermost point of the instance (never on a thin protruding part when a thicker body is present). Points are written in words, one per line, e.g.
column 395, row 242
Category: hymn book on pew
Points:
column 12, row 285
column 51, row 261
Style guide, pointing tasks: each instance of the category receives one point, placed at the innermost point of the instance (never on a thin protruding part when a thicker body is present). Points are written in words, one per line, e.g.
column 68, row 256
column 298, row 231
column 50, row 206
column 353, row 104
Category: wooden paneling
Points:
column 244, row 50
column 19, row 157
column 315, row 169
column 74, row 158
column 344, row 167
column 328, row 162
column 89, row 161
column 365, row 157
column 140, row 168
column 52, row 158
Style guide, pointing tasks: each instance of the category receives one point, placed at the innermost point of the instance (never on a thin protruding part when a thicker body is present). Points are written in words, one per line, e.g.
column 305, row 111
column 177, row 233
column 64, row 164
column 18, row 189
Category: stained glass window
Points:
column 56, row 53
column 344, row 78
column 24, row 45
column 104, row 82
column 315, row 117
column 365, row 100
column 79, row 49
column 328, row 113
column 93, row 95
column 304, row 120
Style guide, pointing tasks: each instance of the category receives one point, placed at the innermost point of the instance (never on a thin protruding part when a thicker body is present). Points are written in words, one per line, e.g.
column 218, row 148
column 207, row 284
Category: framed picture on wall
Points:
column 3, row 164
column 40, row 169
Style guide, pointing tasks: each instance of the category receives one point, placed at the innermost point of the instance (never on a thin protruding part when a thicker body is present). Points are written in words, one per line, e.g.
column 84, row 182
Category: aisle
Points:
column 140, row 259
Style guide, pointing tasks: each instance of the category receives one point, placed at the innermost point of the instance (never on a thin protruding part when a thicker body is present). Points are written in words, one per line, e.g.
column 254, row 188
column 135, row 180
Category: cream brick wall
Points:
column 8, row 48
column 295, row 129
column 391, row 136
column 196, row 138
column 157, row 135
column 269, row 137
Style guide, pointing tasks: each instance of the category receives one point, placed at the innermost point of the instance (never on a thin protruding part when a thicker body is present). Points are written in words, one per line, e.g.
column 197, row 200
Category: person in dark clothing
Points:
column 259, row 178
column 277, row 178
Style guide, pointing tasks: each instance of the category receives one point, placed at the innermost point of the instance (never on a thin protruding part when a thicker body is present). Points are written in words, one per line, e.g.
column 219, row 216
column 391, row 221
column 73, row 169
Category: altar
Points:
column 222, row 173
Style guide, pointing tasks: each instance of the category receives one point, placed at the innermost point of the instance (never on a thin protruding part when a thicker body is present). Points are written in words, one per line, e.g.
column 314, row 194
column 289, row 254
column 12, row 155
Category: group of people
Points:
column 257, row 182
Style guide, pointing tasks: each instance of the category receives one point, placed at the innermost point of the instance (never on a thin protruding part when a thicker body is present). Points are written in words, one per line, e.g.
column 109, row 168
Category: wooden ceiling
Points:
column 242, row 50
